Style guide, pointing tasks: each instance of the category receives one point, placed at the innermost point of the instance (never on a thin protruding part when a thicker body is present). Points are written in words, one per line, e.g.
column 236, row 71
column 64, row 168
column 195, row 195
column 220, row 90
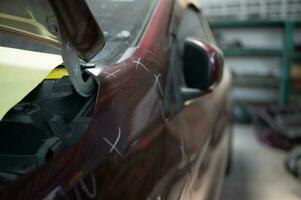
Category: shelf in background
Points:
column 256, row 81
column 252, row 52
column 250, row 23
column 257, row 52
column 254, row 95
column 286, row 53
column 297, row 56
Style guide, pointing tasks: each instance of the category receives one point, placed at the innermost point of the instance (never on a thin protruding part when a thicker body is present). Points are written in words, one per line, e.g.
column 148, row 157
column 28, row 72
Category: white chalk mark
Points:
column 139, row 63
column 157, row 83
column 77, row 69
column 183, row 157
column 117, row 140
column 105, row 139
column 53, row 193
column 114, row 146
column 91, row 194
column 68, row 48
column 112, row 74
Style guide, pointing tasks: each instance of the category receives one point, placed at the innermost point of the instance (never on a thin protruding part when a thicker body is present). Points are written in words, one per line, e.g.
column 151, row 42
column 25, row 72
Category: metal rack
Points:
column 246, row 9
column 287, row 53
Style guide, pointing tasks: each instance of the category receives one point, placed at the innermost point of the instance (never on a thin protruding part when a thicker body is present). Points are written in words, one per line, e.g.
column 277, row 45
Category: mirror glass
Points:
column 202, row 64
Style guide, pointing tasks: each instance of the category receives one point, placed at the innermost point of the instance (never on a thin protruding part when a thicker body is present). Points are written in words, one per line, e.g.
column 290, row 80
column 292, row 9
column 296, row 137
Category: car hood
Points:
column 42, row 21
column 65, row 25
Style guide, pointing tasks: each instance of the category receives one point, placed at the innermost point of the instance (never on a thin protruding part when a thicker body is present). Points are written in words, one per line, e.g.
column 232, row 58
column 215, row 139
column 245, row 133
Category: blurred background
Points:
column 261, row 40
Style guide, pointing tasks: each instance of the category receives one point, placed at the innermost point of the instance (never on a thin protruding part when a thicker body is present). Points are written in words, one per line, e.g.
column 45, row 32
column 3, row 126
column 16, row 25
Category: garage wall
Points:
column 253, row 8
column 267, row 67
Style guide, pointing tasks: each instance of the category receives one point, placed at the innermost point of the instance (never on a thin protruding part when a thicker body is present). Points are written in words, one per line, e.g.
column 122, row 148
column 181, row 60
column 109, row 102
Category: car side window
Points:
column 206, row 28
column 191, row 25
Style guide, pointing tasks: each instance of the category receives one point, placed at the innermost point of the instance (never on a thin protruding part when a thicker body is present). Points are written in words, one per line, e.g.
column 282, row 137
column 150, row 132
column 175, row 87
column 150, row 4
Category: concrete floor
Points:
column 258, row 172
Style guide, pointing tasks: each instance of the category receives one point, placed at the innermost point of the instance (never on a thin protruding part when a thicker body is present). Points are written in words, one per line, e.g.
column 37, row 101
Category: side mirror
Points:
column 202, row 64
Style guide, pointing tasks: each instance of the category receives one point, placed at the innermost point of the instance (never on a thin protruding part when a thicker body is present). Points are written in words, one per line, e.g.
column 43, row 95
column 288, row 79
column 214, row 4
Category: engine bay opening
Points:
column 44, row 124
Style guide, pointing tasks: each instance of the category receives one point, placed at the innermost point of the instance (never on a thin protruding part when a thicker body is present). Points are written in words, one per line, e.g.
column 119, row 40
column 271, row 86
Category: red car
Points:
column 142, row 114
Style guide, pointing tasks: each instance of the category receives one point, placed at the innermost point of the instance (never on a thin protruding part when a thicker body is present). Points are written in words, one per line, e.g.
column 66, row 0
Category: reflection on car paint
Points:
column 131, row 149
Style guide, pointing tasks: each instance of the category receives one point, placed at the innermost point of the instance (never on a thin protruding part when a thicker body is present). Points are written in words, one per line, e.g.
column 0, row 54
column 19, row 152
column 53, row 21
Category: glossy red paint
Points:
column 131, row 151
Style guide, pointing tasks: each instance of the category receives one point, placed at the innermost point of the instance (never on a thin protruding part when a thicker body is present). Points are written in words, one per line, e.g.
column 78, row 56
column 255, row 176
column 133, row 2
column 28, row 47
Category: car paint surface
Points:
column 132, row 150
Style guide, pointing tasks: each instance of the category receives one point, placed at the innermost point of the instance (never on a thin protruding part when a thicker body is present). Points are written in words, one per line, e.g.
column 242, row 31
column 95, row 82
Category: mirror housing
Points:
column 203, row 64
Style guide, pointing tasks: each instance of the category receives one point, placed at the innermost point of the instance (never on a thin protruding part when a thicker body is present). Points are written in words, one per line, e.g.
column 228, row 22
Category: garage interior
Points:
column 261, row 41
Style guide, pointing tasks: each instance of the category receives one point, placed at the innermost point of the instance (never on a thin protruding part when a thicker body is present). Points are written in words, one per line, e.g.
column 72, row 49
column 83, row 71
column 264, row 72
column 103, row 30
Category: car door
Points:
column 201, row 120
column 146, row 141
column 149, row 133
column 130, row 149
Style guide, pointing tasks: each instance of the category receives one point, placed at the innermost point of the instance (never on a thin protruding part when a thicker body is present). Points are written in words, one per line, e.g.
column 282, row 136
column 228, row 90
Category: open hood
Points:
column 67, row 25
column 43, row 21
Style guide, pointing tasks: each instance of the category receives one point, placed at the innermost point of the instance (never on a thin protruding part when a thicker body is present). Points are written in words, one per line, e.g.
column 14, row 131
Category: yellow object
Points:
column 57, row 73
column 296, row 71
column 75, row 178
column 20, row 72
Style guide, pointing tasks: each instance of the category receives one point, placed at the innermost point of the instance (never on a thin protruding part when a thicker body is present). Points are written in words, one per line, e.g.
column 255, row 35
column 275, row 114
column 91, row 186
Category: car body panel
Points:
column 132, row 150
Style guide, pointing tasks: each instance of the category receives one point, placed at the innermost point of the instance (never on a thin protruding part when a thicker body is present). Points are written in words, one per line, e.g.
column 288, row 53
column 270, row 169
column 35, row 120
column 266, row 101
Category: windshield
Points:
column 122, row 22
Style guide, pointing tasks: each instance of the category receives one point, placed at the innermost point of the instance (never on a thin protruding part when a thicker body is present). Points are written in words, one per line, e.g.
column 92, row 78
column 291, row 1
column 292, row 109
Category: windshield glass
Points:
column 122, row 22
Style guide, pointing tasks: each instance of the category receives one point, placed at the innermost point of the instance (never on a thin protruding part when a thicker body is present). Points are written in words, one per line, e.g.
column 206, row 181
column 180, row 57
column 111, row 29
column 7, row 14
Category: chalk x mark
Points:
column 157, row 82
column 139, row 63
column 91, row 194
column 112, row 74
column 114, row 146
